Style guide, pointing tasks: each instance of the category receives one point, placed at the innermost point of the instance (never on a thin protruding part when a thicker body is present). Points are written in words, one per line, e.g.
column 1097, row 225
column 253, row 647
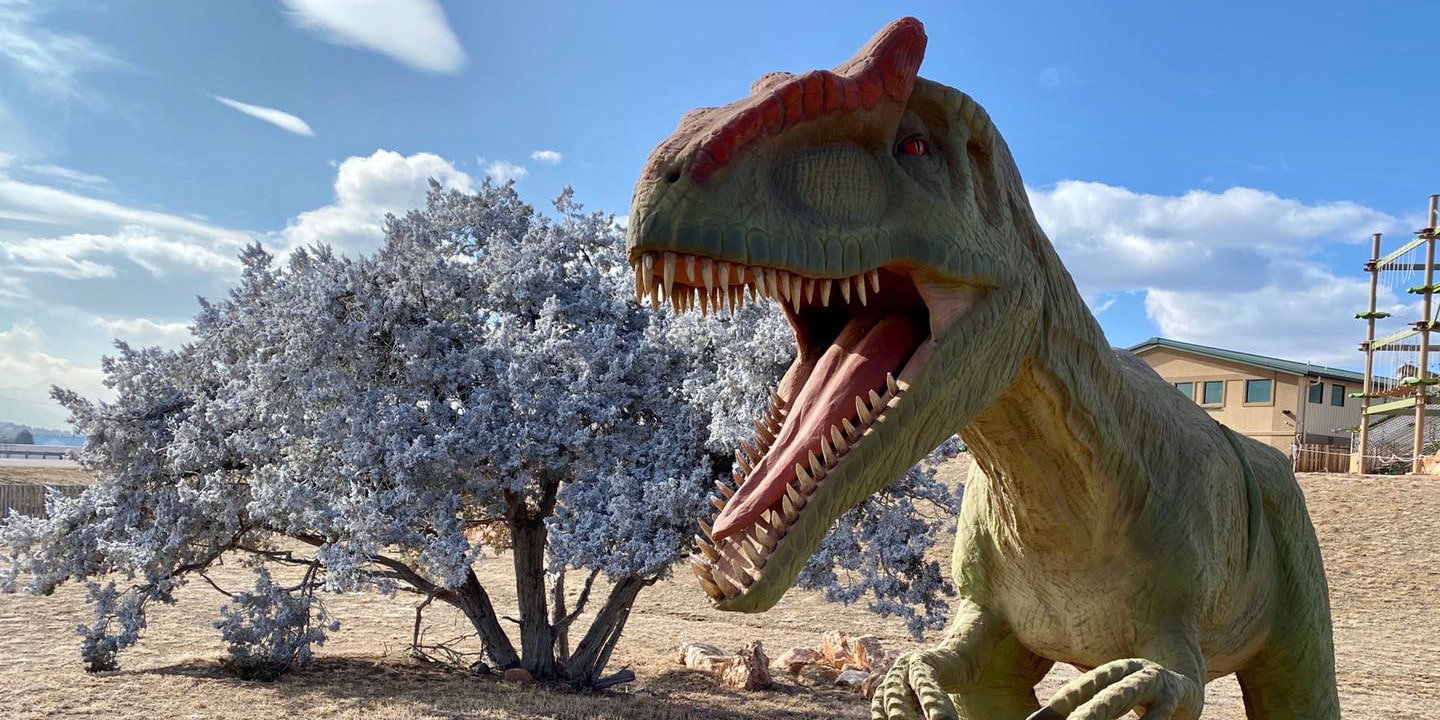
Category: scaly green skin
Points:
column 1108, row 522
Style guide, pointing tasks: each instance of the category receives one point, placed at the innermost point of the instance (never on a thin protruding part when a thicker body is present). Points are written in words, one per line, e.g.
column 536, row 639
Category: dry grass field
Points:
column 1380, row 537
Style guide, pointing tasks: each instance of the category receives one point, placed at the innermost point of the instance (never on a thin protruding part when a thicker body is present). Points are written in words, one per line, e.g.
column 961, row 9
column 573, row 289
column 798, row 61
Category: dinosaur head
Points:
column 884, row 213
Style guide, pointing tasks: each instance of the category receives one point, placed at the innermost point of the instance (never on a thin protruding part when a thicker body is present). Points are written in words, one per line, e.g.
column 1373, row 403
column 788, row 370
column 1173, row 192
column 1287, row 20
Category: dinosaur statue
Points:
column 1108, row 523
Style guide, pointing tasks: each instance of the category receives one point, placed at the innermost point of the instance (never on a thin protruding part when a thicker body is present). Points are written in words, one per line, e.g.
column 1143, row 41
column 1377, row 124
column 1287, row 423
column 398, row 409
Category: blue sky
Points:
column 1209, row 171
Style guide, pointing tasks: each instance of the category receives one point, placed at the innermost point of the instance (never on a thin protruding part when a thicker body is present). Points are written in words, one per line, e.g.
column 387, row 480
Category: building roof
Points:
column 1269, row 363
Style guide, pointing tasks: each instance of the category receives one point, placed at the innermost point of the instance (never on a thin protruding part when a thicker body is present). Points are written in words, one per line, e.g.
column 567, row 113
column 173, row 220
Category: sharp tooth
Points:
column 765, row 537
column 640, row 281
column 810, row 291
column 845, row 289
column 706, row 527
column 804, row 476
column 825, row 286
column 751, row 554
column 861, row 410
column 875, row 401
column 807, row 482
column 839, row 440
column 777, row 522
column 750, row 451
column 704, row 304
column 747, row 576
column 676, row 304
column 860, row 288
column 772, row 282
column 796, row 288
column 727, row 586
column 718, row 503
column 784, row 279
column 850, row 429
column 890, row 383
column 738, row 477
column 707, row 274
column 725, row 490
column 690, row 269
column 709, row 585
column 760, row 282
column 875, row 280
column 791, row 512
column 723, row 269
column 669, row 271
column 743, row 461
column 827, row 450
column 753, row 293
column 815, row 465
column 706, row 549
column 690, row 295
column 764, row 432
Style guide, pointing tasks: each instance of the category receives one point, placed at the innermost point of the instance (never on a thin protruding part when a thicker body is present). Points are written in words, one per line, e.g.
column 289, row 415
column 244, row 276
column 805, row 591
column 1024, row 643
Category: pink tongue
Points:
column 855, row 364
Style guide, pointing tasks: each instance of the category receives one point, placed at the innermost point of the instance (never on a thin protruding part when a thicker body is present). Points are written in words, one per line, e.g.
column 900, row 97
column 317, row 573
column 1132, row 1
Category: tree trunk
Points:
column 472, row 600
column 537, row 635
column 593, row 652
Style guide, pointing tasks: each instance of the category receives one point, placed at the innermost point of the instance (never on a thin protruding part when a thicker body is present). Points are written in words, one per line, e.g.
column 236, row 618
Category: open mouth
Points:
column 861, row 341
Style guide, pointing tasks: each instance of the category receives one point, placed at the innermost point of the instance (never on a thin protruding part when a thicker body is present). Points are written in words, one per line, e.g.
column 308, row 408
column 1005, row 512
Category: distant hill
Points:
column 26, row 435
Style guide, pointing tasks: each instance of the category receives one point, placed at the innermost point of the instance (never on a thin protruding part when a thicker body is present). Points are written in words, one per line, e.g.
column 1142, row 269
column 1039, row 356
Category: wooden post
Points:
column 1422, row 390
column 1369, row 354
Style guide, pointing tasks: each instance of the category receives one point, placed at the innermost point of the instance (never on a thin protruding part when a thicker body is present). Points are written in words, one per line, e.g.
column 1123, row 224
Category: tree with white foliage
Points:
column 353, row 416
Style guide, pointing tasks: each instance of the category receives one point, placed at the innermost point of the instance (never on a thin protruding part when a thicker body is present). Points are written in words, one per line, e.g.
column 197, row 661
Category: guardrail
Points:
column 44, row 452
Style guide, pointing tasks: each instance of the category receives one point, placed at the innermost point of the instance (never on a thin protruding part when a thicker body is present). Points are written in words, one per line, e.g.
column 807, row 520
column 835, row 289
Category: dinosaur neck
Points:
column 1047, row 444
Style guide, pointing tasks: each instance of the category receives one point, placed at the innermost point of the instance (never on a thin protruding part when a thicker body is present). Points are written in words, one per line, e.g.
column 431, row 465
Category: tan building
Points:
column 1272, row 400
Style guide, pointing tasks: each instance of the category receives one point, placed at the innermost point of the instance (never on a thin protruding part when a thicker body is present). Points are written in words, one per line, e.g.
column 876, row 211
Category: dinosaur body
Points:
column 1108, row 522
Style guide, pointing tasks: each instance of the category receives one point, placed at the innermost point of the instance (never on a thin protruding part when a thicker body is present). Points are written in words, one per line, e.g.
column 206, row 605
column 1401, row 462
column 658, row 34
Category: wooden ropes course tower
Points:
column 1398, row 382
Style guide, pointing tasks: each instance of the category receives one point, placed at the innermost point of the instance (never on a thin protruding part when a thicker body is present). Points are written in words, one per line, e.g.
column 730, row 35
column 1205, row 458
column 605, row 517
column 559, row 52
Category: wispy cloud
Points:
column 415, row 32
column 501, row 171
column 69, row 176
column 279, row 118
column 51, row 63
column 143, row 331
column 549, row 157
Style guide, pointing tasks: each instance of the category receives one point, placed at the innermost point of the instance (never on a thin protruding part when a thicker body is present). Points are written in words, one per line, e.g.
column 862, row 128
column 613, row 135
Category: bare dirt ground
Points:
column 1379, row 535
column 18, row 471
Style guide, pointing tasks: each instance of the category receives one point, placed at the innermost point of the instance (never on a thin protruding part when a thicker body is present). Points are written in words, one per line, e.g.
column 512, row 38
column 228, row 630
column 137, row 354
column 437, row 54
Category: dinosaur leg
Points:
column 1290, row 683
column 919, row 685
column 1171, row 691
column 1005, row 689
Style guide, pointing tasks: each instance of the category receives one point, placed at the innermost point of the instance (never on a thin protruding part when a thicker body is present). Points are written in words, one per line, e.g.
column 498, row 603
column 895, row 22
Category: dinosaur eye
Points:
column 913, row 145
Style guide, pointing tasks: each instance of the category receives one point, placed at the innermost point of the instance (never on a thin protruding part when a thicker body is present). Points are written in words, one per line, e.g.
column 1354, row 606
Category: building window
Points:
column 1258, row 391
column 1187, row 389
column 1317, row 393
column 1214, row 392
column 1337, row 395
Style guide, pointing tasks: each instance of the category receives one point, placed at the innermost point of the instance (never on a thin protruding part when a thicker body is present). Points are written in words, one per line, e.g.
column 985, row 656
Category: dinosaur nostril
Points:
column 673, row 176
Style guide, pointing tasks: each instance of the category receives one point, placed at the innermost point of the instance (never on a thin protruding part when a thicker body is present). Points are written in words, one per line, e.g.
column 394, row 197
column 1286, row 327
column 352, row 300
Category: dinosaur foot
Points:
column 1110, row 691
column 913, row 690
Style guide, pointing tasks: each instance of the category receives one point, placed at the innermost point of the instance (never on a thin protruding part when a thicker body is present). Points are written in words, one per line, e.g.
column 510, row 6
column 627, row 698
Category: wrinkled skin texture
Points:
column 1108, row 522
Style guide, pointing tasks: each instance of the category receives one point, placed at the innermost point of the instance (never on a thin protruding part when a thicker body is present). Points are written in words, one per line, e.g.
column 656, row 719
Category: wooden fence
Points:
column 30, row 499
column 1322, row 458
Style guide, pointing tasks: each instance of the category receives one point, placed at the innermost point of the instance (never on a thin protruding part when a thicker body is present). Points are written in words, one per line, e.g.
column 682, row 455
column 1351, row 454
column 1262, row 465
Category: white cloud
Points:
column 28, row 369
column 79, row 256
column 1235, row 269
column 549, row 157
column 279, row 118
column 502, row 172
column 366, row 188
column 1113, row 238
column 66, row 175
column 415, row 32
column 51, row 62
column 145, row 332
